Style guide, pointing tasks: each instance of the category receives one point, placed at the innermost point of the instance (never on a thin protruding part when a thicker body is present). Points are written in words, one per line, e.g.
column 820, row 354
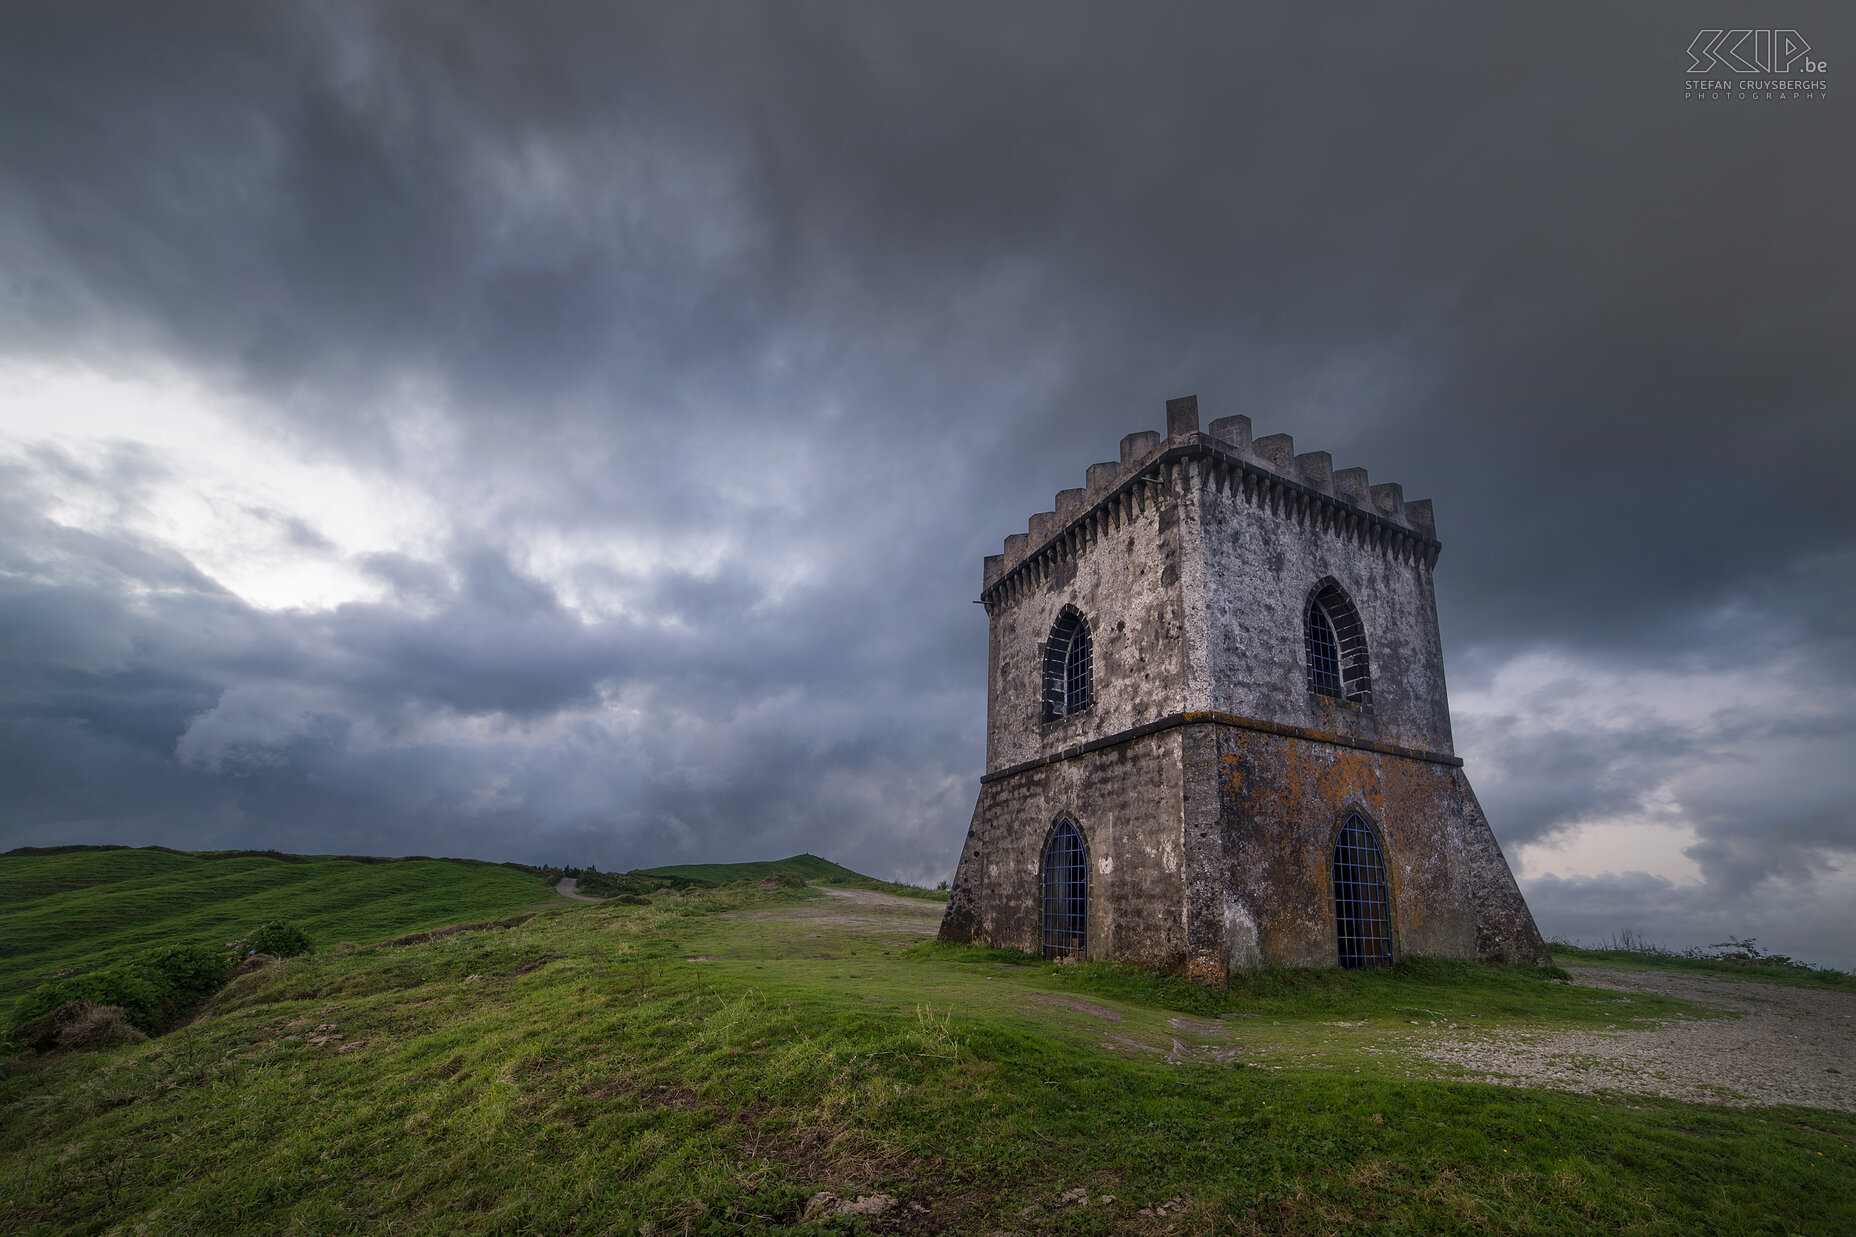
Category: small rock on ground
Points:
column 827, row 1205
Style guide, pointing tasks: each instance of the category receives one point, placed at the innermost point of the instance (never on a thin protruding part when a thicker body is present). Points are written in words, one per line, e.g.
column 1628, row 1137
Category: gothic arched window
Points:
column 1334, row 640
column 1066, row 892
column 1069, row 677
column 1362, row 905
column 1323, row 653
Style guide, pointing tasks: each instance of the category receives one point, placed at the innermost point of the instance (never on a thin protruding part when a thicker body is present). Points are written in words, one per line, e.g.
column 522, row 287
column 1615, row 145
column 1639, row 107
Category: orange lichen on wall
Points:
column 1284, row 802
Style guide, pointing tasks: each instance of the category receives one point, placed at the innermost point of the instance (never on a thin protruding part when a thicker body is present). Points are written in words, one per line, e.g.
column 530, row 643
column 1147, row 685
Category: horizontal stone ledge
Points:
column 1174, row 720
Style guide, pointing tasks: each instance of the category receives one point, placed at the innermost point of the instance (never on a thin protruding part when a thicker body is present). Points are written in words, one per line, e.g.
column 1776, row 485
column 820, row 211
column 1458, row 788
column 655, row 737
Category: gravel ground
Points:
column 1786, row 1046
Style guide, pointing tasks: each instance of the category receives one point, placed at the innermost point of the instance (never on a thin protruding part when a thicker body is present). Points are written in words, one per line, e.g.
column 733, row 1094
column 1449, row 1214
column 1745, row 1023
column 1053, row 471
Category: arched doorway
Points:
column 1362, row 905
column 1066, row 893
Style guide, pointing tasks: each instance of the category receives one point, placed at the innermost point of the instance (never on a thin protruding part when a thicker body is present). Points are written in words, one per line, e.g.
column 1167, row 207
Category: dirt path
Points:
column 568, row 885
column 862, row 908
column 1787, row 1046
column 918, row 908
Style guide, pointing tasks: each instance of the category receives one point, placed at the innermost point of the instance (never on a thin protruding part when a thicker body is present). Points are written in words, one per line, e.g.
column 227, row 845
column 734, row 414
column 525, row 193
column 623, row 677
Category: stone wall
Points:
column 1259, row 568
column 1126, row 584
column 1126, row 803
column 1210, row 848
column 1284, row 801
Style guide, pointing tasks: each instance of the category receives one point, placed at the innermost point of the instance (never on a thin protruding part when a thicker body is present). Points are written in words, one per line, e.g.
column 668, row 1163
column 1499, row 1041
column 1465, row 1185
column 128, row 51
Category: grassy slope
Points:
column 1802, row 976
column 87, row 908
column 809, row 866
column 612, row 1064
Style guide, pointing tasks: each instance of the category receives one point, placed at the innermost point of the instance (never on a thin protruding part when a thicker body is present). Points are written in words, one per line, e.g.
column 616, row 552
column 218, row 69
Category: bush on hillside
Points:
column 613, row 884
column 280, row 940
column 1732, row 952
column 135, row 990
column 188, row 973
column 76, row 1026
column 152, row 989
column 783, row 880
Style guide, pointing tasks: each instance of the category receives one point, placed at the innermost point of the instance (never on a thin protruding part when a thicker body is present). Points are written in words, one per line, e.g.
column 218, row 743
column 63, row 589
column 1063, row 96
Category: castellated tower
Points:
column 1217, row 735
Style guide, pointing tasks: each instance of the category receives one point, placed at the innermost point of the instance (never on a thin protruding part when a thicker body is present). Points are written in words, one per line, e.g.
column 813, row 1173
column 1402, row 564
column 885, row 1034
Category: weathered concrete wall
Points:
column 1211, row 850
column 1122, row 573
column 1260, row 567
column 1285, row 800
column 1126, row 801
column 1505, row 928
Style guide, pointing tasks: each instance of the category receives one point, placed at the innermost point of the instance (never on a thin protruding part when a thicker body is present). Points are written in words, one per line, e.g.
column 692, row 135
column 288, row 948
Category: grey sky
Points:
column 584, row 422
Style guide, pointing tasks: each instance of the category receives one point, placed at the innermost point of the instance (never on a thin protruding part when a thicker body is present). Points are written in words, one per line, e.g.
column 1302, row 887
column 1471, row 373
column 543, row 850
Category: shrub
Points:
column 188, row 972
column 154, row 988
column 783, row 880
column 613, row 884
column 134, row 989
column 77, row 1025
column 280, row 940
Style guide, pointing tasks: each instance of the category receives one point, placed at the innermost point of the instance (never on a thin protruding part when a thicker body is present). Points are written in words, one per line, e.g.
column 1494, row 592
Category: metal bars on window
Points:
column 1336, row 642
column 1076, row 671
column 1323, row 652
column 1362, row 918
column 1066, row 893
column 1069, row 681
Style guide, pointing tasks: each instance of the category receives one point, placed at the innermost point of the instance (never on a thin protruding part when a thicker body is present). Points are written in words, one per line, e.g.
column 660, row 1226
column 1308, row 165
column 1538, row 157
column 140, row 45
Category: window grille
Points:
column 1076, row 671
column 1323, row 653
column 1362, row 919
column 1066, row 893
column 1069, row 680
column 1335, row 640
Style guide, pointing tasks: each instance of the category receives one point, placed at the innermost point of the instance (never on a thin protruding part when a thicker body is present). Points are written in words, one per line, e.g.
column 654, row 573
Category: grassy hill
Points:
column 708, row 1060
column 809, row 866
column 813, row 868
column 87, row 907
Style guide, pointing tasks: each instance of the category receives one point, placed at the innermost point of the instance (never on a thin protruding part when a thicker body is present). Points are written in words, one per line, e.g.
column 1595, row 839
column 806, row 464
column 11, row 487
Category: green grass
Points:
column 86, row 908
column 1794, row 975
column 703, row 1061
column 813, row 868
column 809, row 866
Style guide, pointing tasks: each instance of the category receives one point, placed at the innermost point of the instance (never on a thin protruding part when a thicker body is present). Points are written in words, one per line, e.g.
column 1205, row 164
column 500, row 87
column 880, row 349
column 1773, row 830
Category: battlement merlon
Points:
column 1264, row 471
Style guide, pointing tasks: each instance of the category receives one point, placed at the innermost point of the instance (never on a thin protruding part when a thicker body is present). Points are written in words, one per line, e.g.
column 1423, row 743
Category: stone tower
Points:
column 1217, row 735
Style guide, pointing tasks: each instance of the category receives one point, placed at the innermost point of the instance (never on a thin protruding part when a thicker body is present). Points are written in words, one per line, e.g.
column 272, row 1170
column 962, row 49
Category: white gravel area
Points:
column 1784, row 1046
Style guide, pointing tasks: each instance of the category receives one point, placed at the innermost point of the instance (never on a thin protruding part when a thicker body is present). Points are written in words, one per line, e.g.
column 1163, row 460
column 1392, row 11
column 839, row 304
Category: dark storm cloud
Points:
column 815, row 303
column 214, row 722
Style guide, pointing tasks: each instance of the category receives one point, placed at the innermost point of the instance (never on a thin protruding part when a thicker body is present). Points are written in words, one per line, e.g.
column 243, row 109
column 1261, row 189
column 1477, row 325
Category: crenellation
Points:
column 1278, row 451
column 1233, row 430
column 1316, row 468
column 1100, row 479
column 1182, row 417
column 1303, row 489
column 1419, row 516
column 1136, row 447
column 1351, row 485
